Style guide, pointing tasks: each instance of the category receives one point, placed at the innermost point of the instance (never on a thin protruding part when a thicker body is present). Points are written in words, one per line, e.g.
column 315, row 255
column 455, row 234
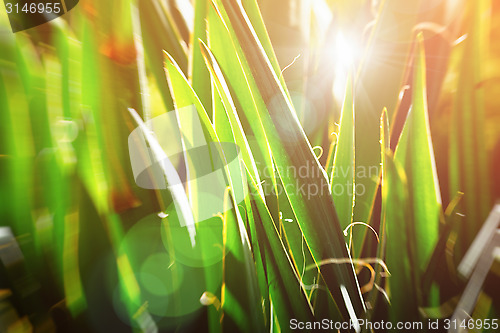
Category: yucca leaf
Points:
column 239, row 256
column 342, row 181
column 415, row 152
column 285, row 287
column 317, row 218
column 468, row 160
column 238, row 84
column 198, row 73
column 230, row 112
column 377, row 62
column 184, row 96
column 252, row 9
column 397, row 234
column 384, row 149
column 224, row 108
column 160, row 33
column 399, row 242
column 384, row 189
column 258, row 241
column 438, row 262
column 241, row 305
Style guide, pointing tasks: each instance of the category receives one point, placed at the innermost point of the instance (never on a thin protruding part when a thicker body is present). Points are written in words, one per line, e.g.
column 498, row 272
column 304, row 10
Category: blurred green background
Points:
column 369, row 142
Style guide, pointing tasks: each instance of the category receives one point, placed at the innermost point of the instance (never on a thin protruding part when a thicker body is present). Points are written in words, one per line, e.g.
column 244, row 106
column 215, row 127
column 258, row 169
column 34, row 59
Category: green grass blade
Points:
column 230, row 112
column 198, row 73
column 238, row 83
column 415, row 153
column 400, row 252
column 160, row 33
column 285, row 288
column 343, row 176
column 254, row 15
column 468, row 160
column 236, row 300
column 376, row 64
column 290, row 147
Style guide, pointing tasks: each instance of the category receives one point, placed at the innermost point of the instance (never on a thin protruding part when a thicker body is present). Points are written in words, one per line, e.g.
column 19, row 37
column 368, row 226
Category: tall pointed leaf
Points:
column 415, row 152
column 317, row 218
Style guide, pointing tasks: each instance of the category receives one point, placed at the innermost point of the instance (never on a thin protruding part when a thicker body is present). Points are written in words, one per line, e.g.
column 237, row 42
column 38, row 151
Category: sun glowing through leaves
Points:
column 347, row 55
